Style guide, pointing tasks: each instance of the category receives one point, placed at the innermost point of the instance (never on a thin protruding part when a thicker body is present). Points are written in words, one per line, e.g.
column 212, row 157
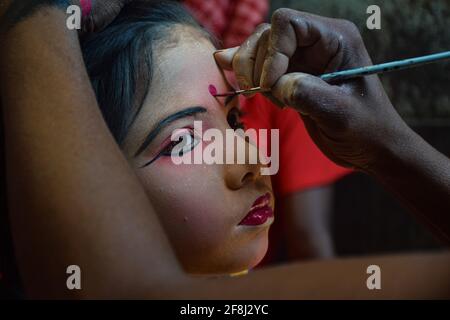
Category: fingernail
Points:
column 217, row 51
column 242, row 83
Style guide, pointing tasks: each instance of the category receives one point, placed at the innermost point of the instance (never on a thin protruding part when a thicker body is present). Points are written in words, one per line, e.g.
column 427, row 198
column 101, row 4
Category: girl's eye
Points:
column 181, row 143
column 233, row 119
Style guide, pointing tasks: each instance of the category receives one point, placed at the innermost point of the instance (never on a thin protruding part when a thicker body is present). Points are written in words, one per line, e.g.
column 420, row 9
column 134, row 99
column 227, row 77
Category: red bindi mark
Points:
column 212, row 90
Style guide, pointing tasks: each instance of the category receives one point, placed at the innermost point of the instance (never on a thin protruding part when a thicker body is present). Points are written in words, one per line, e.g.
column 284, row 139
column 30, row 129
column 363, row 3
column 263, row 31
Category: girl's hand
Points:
column 352, row 122
column 97, row 14
column 101, row 13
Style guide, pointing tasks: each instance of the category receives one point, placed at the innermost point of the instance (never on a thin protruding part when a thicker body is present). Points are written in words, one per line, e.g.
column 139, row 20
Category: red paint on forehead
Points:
column 212, row 90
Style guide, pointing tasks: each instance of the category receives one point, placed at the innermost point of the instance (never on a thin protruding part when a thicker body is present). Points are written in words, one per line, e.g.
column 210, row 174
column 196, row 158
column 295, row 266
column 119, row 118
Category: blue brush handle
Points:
column 385, row 67
column 364, row 71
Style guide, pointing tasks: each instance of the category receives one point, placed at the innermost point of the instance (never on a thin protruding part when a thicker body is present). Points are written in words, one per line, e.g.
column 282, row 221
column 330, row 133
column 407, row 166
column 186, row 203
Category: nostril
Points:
column 249, row 176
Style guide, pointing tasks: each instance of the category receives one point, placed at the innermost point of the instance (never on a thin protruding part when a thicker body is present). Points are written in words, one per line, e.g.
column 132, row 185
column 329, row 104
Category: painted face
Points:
column 203, row 207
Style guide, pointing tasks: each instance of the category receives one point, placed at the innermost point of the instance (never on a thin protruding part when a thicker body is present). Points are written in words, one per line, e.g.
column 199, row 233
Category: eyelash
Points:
column 233, row 119
column 168, row 149
column 193, row 140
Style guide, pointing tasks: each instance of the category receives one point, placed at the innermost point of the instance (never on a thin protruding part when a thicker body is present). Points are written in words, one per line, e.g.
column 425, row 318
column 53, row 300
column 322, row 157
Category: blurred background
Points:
column 367, row 219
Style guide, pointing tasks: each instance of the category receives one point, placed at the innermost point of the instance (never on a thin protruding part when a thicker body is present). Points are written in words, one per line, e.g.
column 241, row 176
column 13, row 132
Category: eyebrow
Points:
column 165, row 122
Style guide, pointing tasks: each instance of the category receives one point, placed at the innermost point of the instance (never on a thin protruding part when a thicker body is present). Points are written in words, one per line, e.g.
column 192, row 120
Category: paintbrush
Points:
column 359, row 72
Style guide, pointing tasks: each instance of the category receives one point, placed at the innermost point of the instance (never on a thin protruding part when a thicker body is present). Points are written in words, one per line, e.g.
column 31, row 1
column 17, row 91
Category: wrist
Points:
column 398, row 148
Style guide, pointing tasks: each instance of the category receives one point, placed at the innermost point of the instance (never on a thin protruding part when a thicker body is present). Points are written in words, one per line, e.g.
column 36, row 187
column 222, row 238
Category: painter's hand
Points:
column 352, row 122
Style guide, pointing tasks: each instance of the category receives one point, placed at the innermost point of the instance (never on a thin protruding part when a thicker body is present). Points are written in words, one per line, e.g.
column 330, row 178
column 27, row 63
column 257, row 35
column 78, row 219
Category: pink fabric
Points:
column 86, row 7
column 232, row 21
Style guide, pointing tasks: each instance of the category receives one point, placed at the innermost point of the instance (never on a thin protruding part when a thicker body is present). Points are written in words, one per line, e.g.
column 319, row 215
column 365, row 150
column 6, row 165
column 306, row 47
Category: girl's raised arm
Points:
column 73, row 199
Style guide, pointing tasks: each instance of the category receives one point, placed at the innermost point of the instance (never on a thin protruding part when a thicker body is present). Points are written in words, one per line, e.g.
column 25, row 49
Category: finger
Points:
column 292, row 30
column 260, row 56
column 224, row 58
column 311, row 96
column 245, row 57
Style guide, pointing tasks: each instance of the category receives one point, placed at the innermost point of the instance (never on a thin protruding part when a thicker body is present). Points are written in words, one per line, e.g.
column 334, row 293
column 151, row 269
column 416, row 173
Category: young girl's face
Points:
column 207, row 210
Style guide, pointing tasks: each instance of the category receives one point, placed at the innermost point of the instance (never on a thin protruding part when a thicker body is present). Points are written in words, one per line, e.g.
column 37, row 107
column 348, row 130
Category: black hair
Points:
column 119, row 59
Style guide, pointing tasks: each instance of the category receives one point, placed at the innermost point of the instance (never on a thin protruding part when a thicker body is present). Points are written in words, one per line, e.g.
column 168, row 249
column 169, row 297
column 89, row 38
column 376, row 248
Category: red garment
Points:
column 302, row 164
column 232, row 21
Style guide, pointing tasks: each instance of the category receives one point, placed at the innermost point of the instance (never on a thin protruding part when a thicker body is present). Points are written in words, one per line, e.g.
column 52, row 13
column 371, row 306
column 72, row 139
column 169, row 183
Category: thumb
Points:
column 224, row 58
column 309, row 95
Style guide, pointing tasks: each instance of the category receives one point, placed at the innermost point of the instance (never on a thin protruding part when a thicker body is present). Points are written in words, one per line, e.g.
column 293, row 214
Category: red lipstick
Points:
column 259, row 212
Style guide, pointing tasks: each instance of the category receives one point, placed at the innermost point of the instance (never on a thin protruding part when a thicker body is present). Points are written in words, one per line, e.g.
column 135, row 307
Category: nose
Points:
column 240, row 172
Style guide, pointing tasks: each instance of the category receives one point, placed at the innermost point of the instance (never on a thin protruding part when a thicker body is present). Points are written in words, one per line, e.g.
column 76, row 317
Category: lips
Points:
column 259, row 212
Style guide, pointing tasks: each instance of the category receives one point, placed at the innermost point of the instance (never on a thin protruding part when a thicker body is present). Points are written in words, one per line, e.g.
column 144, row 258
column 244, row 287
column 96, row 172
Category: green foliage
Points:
column 409, row 28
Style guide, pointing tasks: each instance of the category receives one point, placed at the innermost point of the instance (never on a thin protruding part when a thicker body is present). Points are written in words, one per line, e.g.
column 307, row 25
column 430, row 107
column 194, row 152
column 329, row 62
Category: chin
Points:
column 243, row 257
column 248, row 256
column 259, row 251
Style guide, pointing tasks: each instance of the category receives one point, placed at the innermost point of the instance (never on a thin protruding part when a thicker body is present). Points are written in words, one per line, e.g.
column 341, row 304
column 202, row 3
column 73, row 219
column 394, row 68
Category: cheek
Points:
column 189, row 205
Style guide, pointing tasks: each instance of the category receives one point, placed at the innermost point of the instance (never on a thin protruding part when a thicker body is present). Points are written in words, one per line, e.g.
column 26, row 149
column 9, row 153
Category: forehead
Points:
column 185, row 72
column 180, row 79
